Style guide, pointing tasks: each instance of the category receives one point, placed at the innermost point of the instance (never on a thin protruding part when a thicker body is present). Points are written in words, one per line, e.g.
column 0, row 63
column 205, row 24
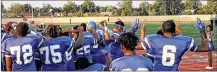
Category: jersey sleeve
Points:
column 5, row 49
column 115, row 36
column 146, row 43
column 191, row 45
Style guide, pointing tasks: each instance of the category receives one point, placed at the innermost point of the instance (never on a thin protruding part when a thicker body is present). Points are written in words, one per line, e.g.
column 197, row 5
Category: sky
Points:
column 61, row 3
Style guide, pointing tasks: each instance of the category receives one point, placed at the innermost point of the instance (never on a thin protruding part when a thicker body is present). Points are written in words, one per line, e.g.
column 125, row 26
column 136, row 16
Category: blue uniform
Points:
column 168, row 52
column 95, row 67
column 211, row 43
column 132, row 63
column 22, row 52
column 115, row 50
column 88, row 43
column 4, row 36
column 56, row 53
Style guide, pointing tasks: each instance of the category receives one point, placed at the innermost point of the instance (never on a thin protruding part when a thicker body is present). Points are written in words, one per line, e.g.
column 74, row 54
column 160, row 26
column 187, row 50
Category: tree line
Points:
column 123, row 8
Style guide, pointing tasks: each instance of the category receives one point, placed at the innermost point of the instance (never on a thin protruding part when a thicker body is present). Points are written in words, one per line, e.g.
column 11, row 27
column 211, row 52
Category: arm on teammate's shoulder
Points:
column 8, row 63
column 79, row 41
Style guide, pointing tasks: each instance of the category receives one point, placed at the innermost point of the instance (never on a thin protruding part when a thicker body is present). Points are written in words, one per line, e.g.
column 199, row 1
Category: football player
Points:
column 168, row 49
column 89, row 42
column 130, row 61
column 57, row 52
column 20, row 51
column 84, row 65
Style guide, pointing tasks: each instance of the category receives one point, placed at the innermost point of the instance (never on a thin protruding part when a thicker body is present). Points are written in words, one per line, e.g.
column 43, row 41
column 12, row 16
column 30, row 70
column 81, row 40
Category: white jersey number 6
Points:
column 168, row 55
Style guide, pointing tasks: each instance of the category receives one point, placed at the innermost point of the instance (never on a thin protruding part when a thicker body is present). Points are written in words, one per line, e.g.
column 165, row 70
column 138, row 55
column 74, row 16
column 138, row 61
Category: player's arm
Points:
column 63, row 31
column 142, row 36
column 79, row 41
column 8, row 63
column 106, row 33
column 212, row 36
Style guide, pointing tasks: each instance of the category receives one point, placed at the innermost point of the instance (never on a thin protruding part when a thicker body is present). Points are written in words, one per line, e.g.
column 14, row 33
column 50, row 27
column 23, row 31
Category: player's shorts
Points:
column 211, row 46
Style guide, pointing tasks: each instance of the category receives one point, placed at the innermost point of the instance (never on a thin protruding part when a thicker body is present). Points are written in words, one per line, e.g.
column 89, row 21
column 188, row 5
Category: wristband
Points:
column 105, row 28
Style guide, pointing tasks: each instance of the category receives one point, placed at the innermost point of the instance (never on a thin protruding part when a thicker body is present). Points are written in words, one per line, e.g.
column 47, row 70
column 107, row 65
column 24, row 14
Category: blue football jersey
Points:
column 88, row 43
column 168, row 52
column 115, row 50
column 5, row 36
column 94, row 67
column 132, row 63
column 97, row 51
column 56, row 53
column 22, row 52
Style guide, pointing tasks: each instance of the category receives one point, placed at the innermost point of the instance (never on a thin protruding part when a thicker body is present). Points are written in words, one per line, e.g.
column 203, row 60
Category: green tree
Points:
column 103, row 9
column 46, row 7
column 177, row 7
column 17, row 9
column 193, row 5
column 144, row 8
column 27, row 7
column 213, row 5
column 126, row 8
column 97, row 9
column 158, row 8
column 87, row 6
column 70, row 7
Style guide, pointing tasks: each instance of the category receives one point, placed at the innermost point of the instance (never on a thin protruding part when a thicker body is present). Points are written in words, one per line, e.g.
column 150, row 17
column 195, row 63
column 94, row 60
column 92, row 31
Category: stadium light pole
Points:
column 32, row 13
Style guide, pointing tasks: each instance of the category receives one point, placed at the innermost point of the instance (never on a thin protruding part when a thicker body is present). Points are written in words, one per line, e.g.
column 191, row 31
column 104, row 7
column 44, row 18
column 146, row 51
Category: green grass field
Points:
column 187, row 30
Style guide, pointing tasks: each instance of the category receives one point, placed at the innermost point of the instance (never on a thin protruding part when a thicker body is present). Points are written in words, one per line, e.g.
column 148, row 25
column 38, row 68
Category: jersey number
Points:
column 56, row 56
column 27, row 53
column 168, row 58
column 85, row 50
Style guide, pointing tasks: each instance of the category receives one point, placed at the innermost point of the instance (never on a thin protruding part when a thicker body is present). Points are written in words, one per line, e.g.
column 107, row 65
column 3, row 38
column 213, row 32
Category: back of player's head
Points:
column 210, row 27
column 129, row 40
column 169, row 26
column 82, row 63
column 92, row 24
column 120, row 23
column 159, row 32
column 101, row 23
column 84, row 26
column 52, row 31
column 75, row 27
column 22, row 29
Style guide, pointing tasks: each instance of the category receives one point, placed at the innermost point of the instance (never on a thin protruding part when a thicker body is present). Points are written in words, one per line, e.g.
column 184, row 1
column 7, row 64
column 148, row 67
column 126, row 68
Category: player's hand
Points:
column 105, row 22
column 178, row 29
column 143, row 29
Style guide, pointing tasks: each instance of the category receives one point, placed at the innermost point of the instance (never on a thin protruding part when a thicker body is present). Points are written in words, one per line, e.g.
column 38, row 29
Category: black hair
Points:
column 210, row 26
column 75, row 27
column 120, row 23
column 129, row 40
column 159, row 32
column 52, row 31
column 22, row 29
column 84, row 26
column 169, row 26
column 82, row 63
